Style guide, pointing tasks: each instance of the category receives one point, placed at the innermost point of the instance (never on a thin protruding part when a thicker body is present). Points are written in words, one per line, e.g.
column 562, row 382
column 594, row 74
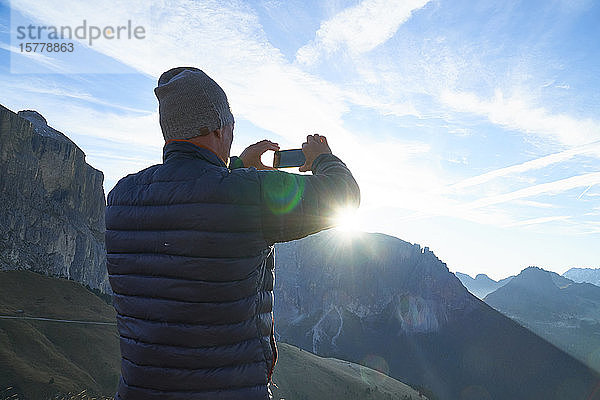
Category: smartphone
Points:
column 288, row 158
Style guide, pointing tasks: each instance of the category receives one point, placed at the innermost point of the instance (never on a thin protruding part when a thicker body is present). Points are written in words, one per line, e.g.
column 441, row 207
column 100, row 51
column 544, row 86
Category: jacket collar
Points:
column 185, row 148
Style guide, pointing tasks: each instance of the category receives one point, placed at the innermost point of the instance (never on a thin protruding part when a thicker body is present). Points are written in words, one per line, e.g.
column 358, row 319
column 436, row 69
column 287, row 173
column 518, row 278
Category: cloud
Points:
column 360, row 28
column 54, row 64
column 427, row 203
column 537, row 221
column 515, row 113
column 554, row 187
column 226, row 40
column 592, row 149
column 45, row 87
column 535, row 204
column 138, row 129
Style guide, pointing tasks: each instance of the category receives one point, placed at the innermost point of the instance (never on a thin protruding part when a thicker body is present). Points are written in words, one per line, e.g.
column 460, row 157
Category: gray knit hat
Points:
column 190, row 104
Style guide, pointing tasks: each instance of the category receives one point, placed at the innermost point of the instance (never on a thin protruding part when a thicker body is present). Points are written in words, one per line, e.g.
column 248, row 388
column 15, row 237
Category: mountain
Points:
column 482, row 284
column 563, row 312
column 52, row 217
column 581, row 275
column 381, row 301
column 40, row 358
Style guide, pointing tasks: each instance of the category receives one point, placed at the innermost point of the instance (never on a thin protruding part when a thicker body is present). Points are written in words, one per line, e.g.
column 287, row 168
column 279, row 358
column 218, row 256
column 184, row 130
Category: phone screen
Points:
column 288, row 158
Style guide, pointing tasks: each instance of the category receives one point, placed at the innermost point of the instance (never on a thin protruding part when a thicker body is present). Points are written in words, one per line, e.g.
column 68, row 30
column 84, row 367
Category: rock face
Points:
column 481, row 285
column 394, row 306
column 362, row 277
column 52, row 217
column 580, row 275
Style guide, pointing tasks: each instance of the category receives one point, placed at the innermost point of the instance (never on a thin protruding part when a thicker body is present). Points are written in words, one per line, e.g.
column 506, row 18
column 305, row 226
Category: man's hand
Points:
column 314, row 146
column 252, row 154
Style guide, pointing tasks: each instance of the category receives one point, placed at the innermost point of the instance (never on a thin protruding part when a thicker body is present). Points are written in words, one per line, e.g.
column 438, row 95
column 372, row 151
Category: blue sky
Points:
column 472, row 127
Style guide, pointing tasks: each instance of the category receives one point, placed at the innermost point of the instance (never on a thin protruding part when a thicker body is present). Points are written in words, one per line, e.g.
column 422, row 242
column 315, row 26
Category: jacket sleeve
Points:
column 294, row 206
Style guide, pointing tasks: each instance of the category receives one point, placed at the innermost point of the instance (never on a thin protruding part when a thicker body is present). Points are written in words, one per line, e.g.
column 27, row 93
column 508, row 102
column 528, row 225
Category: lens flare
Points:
column 376, row 363
column 284, row 192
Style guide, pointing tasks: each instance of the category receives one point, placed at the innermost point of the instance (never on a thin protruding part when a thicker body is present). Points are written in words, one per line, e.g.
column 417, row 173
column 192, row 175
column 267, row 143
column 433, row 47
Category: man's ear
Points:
column 218, row 133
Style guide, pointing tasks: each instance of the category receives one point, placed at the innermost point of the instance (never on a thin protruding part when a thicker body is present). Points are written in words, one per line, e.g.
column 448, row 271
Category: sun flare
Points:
column 347, row 221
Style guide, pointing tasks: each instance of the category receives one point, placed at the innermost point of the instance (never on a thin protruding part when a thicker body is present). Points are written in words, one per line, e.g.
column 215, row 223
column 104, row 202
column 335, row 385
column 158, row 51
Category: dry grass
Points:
column 11, row 394
column 43, row 358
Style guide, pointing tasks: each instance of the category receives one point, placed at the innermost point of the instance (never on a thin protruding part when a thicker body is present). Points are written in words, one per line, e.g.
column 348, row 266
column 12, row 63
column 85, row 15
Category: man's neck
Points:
column 205, row 144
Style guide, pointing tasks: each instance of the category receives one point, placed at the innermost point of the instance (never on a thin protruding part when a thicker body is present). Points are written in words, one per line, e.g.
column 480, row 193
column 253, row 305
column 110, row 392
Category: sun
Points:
column 347, row 221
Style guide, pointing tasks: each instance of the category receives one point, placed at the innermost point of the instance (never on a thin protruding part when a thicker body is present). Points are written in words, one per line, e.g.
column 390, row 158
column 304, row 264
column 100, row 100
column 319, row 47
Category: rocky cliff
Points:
column 52, row 216
column 367, row 276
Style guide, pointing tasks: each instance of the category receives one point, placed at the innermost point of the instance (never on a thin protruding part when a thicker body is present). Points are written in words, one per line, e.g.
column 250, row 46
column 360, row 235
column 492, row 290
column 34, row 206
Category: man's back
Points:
column 191, row 264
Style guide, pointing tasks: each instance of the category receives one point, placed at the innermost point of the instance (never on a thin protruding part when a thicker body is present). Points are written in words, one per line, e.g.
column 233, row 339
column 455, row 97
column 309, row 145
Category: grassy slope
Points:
column 71, row 356
column 75, row 357
column 301, row 375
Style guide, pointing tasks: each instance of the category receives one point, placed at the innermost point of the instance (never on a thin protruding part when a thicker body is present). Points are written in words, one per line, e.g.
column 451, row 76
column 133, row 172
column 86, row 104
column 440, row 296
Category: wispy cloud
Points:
column 538, row 163
column 42, row 86
column 516, row 113
column 360, row 28
column 554, row 187
column 54, row 64
column 264, row 88
column 535, row 204
column 537, row 221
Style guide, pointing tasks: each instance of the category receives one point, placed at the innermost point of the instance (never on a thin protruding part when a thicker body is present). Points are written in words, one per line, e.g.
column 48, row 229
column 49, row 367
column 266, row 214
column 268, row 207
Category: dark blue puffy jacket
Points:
column 190, row 261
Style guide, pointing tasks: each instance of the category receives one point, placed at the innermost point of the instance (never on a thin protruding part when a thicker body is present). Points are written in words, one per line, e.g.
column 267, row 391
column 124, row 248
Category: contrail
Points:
column 585, row 191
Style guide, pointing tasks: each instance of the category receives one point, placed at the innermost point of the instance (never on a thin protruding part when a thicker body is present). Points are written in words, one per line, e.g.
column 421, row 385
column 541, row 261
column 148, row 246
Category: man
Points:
column 190, row 249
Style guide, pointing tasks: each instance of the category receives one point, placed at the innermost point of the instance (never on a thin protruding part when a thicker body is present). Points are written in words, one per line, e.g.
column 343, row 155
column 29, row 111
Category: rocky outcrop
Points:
column 370, row 276
column 52, row 216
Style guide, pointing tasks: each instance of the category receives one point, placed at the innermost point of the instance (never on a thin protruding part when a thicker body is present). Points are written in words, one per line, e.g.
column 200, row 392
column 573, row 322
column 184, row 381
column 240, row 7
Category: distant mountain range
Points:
column 562, row 311
column 378, row 300
column 40, row 358
column 481, row 285
column 580, row 275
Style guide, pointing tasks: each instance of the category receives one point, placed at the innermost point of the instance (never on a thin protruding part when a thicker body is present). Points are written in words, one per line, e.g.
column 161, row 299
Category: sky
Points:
column 471, row 127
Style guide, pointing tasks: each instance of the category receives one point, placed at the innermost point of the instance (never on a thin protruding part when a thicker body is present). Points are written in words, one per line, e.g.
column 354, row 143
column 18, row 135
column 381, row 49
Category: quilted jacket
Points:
column 191, row 264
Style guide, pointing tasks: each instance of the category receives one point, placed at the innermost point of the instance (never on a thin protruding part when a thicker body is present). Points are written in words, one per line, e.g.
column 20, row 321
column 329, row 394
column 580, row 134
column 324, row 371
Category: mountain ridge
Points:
column 377, row 296
column 481, row 285
column 564, row 312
